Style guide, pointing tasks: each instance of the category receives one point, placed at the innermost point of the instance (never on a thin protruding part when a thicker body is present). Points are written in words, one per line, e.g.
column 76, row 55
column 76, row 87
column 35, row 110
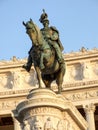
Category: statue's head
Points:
column 30, row 26
column 44, row 17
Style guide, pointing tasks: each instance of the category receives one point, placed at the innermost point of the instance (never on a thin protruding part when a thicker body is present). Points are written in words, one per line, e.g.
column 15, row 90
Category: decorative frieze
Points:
column 66, row 87
column 8, row 105
column 13, row 93
column 81, row 83
column 83, row 53
column 84, row 95
column 74, row 97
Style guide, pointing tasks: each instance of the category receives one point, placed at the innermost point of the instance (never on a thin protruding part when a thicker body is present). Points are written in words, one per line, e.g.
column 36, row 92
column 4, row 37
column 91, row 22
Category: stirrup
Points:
column 42, row 67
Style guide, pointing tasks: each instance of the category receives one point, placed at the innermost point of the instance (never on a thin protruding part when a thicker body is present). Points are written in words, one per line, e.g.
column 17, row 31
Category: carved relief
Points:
column 26, row 125
column 95, row 68
column 46, row 110
column 5, row 81
column 76, row 71
column 7, row 105
column 48, row 124
column 69, row 122
column 70, row 127
column 37, row 124
column 43, row 118
column 86, row 70
column 62, row 125
column 16, row 79
column 41, row 121
column 82, row 95
column 65, row 124
column 30, row 78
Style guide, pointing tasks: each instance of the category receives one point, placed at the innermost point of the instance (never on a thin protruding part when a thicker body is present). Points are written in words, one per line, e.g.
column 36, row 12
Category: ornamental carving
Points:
column 47, row 123
column 30, row 78
column 26, row 125
column 46, row 110
column 16, row 79
column 82, row 95
column 77, row 72
column 86, row 70
column 5, row 81
column 7, row 105
column 89, row 108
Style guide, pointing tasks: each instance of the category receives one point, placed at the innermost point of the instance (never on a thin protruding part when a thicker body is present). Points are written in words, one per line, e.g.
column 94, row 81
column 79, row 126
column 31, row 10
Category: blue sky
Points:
column 76, row 20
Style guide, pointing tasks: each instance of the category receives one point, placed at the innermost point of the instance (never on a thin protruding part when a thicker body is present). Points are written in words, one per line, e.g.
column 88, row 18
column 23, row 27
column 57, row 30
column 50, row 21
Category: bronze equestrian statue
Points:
column 45, row 53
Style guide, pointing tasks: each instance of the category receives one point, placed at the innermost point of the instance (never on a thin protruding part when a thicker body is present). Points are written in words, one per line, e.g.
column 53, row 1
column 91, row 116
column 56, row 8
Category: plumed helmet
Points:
column 43, row 17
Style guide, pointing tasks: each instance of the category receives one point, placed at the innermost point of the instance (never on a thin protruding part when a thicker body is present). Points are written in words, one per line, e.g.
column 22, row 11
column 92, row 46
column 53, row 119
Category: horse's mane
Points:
column 39, row 34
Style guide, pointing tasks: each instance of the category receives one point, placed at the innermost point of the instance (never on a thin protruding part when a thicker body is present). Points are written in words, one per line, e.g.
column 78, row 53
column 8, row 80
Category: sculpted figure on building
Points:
column 45, row 53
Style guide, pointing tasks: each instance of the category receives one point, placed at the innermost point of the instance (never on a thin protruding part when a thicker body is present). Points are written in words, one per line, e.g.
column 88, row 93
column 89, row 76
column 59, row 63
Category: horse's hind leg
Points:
column 38, row 76
column 47, row 81
column 59, row 79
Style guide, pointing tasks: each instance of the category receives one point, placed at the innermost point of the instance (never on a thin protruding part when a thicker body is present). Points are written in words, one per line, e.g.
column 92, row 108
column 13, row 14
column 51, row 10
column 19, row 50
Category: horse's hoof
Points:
column 59, row 92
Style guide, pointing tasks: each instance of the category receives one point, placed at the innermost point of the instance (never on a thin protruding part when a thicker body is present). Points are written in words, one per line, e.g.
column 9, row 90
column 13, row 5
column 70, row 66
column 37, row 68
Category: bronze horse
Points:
column 42, row 51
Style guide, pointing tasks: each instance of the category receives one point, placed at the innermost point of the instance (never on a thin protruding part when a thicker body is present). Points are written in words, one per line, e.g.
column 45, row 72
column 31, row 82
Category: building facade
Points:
column 80, row 86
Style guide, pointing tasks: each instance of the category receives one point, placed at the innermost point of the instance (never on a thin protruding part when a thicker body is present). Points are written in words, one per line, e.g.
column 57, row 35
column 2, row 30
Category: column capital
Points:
column 89, row 111
column 89, row 108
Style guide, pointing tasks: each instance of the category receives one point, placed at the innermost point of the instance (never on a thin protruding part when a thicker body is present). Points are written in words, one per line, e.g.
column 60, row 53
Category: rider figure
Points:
column 51, row 35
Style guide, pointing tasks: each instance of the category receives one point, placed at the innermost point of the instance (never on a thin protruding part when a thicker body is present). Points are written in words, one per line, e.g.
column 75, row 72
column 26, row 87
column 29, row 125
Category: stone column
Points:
column 89, row 110
column 16, row 123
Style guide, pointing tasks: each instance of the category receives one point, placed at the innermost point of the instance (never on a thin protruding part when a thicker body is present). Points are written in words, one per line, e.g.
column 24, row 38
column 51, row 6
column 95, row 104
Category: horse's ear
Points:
column 31, row 21
column 24, row 23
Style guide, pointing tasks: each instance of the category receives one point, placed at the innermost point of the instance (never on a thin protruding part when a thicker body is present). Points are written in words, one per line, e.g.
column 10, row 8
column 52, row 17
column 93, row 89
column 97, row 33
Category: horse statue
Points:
column 42, row 51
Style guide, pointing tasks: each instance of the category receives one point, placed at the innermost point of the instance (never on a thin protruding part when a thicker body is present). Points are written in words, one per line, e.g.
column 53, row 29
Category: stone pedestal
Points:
column 45, row 110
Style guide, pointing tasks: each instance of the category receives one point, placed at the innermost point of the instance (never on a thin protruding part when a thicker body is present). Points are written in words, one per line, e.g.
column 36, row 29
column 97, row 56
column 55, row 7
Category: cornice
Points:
column 69, row 57
column 12, row 63
column 81, row 55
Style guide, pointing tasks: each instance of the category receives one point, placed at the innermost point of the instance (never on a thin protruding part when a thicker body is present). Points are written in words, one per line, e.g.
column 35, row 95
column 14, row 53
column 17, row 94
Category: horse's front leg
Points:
column 38, row 76
column 42, row 61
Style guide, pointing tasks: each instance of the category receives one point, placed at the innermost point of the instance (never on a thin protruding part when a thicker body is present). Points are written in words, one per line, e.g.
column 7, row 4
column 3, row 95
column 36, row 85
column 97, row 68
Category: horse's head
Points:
column 33, row 31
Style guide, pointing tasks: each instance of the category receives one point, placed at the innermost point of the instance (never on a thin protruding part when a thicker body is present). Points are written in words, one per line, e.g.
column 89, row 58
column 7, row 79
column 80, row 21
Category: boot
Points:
column 26, row 67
